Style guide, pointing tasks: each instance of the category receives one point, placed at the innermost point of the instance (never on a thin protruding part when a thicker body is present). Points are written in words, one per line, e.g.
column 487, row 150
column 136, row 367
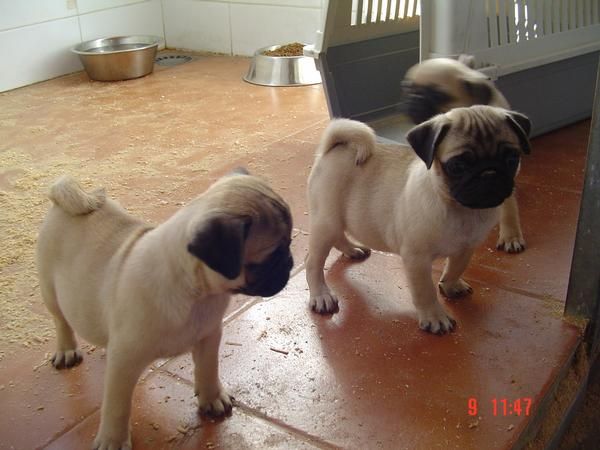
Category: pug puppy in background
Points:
column 439, row 84
column 439, row 199
column 148, row 292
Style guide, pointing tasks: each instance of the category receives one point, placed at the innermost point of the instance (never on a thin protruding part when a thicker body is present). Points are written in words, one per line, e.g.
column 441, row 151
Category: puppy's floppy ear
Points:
column 521, row 125
column 219, row 242
column 426, row 137
column 479, row 91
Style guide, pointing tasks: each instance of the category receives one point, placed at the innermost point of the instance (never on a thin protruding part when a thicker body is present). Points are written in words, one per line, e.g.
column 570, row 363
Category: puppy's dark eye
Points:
column 512, row 158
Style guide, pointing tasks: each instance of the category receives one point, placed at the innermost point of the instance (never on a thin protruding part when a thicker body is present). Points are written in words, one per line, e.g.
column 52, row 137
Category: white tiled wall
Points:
column 255, row 26
column 135, row 18
column 197, row 25
column 239, row 27
column 36, row 35
column 88, row 6
column 38, row 52
column 15, row 14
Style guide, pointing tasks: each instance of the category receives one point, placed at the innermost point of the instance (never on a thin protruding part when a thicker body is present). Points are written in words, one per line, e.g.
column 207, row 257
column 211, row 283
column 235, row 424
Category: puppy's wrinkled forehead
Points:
column 271, row 221
column 478, row 129
column 256, row 197
column 251, row 196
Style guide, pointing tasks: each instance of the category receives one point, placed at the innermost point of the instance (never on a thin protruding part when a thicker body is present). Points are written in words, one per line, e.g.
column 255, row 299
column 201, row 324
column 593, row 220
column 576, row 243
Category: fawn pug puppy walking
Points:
column 439, row 84
column 152, row 292
column 439, row 199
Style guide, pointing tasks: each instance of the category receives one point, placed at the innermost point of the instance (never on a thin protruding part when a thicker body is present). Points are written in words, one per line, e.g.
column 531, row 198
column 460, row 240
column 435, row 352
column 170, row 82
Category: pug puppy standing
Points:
column 155, row 292
column 439, row 84
column 439, row 199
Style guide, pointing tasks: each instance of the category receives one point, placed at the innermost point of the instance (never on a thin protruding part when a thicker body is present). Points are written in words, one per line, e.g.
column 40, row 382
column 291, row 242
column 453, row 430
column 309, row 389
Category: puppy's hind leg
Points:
column 124, row 365
column 67, row 354
column 350, row 249
column 451, row 284
column 322, row 300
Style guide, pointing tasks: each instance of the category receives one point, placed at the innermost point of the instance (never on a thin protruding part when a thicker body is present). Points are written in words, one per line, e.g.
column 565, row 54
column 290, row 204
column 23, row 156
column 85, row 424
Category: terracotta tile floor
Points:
column 364, row 378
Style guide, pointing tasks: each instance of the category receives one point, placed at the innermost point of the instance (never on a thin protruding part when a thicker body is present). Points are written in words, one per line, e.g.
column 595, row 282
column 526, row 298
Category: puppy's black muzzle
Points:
column 424, row 102
column 486, row 185
column 271, row 276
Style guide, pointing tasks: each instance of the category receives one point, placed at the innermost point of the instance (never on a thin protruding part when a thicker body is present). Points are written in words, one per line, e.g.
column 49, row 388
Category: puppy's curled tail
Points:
column 68, row 195
column 356, row 135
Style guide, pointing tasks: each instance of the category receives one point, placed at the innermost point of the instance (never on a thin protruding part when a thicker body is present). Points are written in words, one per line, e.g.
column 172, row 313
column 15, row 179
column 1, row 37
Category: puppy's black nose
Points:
column 489, row 173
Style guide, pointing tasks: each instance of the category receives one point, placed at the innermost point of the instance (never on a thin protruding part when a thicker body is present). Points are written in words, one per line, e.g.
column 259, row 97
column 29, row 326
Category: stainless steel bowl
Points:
column 282, row 70
column 118, row 58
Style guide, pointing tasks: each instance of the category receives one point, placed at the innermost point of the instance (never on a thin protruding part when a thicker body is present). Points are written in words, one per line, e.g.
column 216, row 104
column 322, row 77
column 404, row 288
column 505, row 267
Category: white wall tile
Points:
column 15, row 14
column 87, row 6
column 299, row 3
column 197, row 25
column 237, row 26
column 32, row 62
column 138, row 18
column 256, row 26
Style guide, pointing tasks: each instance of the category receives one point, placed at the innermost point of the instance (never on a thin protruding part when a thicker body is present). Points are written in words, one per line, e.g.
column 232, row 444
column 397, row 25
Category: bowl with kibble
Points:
column 282, row 65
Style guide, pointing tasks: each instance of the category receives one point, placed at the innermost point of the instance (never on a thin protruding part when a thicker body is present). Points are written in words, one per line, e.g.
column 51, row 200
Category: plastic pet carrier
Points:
column 542, row 54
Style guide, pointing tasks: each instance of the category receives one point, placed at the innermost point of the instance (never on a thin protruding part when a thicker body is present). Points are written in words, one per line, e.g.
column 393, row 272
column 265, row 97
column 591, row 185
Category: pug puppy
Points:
column 439, row 84
column 439, row 199
column 147, row 292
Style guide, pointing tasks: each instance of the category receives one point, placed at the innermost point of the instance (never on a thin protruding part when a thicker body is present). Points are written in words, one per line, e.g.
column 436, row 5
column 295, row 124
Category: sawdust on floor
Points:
column 147, row 173
column 23, row 204
column 561, row 397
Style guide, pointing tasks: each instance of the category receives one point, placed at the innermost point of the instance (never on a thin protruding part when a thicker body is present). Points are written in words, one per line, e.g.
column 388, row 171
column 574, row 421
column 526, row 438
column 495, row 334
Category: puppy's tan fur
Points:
column 136, row 290
column 457, row 80
column 385, row 197
column 462, row 83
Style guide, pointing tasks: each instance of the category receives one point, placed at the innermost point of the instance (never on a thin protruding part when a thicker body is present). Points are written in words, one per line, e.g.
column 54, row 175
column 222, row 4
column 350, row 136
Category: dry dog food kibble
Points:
column 294, row 49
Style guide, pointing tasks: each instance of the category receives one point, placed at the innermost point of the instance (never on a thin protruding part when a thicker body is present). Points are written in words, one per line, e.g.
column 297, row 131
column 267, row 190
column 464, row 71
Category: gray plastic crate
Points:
column 542, row 54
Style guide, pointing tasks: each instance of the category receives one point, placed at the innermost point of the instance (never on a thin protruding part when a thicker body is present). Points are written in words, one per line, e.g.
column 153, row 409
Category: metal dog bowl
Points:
column 118, row 58
column 282, row 70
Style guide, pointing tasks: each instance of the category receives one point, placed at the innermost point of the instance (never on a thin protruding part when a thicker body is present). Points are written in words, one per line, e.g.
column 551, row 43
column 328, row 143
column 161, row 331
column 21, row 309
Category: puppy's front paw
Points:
column 511, row 244
column 436, row 320
column 66, row 359
column 217, row 407
column 459, row 288
column 324, row 304
column 103, row 442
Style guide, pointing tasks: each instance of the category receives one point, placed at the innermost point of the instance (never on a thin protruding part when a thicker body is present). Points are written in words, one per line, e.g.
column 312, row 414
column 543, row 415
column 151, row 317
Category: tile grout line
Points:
column 257, row 300
column 267, row 144
column 289, row 429
column 252, row 412
column 301, row 131
column 153, row 372
column 502, row 286
column 241, row 310
column 514, row 290
column 70, row 429
column 161, row 368
column 226, row 320
column 302, row 435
